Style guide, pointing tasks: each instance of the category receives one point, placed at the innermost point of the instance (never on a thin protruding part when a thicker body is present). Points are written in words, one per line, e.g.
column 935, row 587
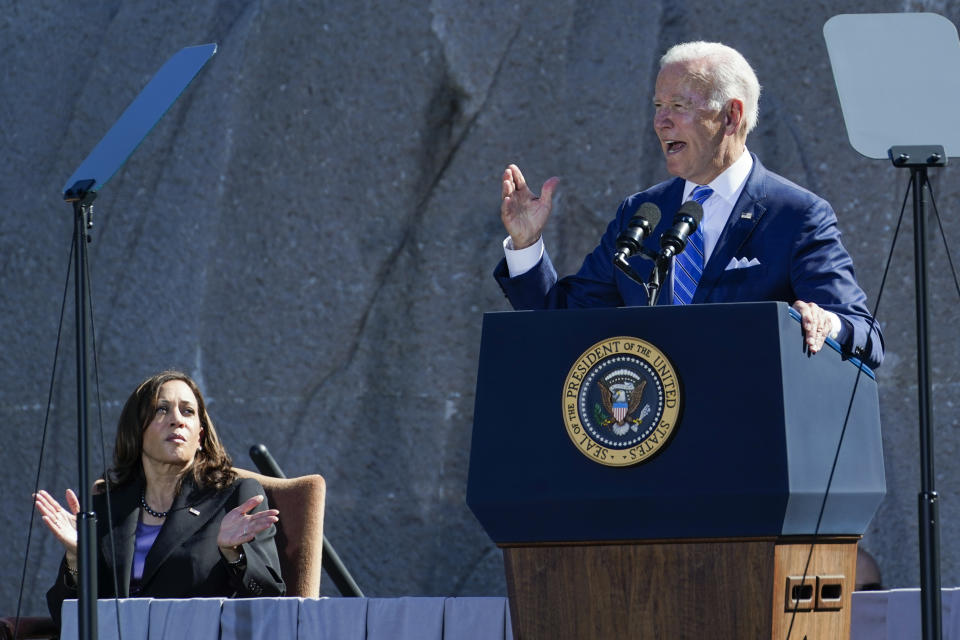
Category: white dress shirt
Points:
column 727, row 188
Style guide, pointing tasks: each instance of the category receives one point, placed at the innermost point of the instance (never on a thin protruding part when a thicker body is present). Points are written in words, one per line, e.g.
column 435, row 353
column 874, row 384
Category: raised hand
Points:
column 524, row 214
column 60, row 521
column 240, row 526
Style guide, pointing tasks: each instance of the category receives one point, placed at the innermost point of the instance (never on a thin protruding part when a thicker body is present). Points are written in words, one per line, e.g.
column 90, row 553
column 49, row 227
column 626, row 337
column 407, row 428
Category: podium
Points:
column 723, row 531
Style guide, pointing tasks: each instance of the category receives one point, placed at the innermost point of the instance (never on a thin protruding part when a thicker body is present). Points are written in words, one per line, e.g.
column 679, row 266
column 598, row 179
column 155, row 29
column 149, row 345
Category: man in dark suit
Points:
column 762, row 237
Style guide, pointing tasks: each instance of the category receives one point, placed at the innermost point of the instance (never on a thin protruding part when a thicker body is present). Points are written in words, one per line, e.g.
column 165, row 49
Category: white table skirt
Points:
column 895, row 615
column 876, row 615
column 300, row 618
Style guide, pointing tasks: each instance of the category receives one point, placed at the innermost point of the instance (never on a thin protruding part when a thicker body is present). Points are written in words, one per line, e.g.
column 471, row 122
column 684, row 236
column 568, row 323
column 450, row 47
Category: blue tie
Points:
column 689, row 264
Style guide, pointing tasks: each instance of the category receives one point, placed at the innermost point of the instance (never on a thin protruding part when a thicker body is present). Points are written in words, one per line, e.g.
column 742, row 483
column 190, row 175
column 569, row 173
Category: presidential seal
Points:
column 621, row 401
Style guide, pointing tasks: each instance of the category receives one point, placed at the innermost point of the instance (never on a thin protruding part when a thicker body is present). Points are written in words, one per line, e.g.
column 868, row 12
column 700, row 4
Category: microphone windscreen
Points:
column 693, row 209
column 651, row 213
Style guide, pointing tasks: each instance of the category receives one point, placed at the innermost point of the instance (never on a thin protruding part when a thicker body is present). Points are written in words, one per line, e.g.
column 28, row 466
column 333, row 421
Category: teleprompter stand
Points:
column 80, row 191
column 81, row 197
column 883, row 64
column 918, row 159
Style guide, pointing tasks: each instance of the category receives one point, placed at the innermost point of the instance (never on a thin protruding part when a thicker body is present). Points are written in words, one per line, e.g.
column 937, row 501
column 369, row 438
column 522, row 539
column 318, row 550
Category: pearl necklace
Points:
column 146, row 507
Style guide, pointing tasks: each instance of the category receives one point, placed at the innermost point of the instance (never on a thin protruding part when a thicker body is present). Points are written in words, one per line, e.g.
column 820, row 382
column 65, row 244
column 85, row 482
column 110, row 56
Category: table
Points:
column 299, row 618
column 876, row 615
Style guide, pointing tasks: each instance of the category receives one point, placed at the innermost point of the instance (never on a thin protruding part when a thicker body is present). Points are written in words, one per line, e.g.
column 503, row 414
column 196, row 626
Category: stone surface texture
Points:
column 311, row 229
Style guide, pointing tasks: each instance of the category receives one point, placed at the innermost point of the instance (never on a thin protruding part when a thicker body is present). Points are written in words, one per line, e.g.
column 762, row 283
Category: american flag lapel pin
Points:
column 746, row 215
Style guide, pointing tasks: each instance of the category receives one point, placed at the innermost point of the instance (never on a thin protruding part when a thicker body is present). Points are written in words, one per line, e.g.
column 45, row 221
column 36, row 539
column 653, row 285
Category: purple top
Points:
column 146, row 536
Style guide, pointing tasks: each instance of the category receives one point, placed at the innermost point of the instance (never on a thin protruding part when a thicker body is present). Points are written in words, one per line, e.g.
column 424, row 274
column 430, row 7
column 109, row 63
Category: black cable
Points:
column 946, row 245
column 103, row 454
column 846, row 419
column 43, row 440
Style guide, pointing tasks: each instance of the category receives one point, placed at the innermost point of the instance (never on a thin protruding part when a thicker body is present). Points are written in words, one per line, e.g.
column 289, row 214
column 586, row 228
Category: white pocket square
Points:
column 742, row 263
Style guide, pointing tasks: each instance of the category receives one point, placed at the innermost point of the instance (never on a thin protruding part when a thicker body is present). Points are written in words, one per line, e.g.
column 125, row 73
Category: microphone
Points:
column 685, row 223
column 641, row 225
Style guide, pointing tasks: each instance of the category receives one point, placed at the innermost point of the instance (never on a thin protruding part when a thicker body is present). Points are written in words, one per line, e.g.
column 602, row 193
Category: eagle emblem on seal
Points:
column 621, row 392
column 621, row 401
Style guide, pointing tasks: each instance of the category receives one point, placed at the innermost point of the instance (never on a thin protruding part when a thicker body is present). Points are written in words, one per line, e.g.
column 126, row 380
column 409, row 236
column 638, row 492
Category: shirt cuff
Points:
column 835, row 325
column 519, row 261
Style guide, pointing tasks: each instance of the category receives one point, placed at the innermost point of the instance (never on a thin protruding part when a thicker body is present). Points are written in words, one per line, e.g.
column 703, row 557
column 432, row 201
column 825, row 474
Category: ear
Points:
column 733, row 117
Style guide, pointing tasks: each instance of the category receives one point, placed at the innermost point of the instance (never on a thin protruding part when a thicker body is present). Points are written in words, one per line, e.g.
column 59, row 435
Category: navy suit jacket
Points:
column 789, row 230
column 184, row 561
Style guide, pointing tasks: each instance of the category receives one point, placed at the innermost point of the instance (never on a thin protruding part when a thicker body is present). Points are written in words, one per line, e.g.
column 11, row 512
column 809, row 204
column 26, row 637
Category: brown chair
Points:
column 300, row 530
column 299, row 543
column 30, row 628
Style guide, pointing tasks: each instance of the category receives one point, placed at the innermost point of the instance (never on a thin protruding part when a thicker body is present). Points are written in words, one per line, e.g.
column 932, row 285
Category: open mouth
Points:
column 673, row 146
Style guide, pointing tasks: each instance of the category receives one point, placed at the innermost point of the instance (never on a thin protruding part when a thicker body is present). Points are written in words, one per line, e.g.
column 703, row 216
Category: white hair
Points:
column 726, row 72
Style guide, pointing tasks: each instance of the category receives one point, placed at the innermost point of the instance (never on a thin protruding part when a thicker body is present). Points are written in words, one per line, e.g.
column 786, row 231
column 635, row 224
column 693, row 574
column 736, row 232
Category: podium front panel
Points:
column 725, row 471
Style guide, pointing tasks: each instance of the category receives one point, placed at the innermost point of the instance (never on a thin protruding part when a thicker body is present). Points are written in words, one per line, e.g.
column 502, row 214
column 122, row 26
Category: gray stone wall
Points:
column 310, row 232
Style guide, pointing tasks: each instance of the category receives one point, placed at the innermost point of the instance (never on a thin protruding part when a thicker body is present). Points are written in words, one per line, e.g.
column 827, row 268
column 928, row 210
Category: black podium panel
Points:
column 751, row 454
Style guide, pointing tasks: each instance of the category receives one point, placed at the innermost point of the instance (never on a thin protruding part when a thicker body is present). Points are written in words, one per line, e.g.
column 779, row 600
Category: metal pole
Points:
column 86, row 521
column 928, row 499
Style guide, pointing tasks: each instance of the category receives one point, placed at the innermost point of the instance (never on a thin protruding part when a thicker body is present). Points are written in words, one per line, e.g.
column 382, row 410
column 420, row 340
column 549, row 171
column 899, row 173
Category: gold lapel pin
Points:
column 193, row 511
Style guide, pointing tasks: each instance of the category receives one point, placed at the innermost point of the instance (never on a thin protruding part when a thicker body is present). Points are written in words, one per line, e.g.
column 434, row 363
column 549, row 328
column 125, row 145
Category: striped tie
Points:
column 689, row 264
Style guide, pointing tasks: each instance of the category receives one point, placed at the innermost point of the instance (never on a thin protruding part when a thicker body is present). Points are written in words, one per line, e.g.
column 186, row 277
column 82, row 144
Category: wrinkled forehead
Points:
column 683, row 81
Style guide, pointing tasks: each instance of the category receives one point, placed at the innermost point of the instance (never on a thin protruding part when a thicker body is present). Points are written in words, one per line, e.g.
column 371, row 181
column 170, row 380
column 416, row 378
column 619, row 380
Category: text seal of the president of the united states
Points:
column 621, row 401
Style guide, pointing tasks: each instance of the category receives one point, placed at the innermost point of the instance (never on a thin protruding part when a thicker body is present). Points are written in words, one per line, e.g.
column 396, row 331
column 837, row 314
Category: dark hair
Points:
column 211, row 467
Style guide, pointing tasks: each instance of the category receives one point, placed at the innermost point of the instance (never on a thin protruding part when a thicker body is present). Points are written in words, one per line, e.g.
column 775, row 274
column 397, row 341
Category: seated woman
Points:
column 183, row 524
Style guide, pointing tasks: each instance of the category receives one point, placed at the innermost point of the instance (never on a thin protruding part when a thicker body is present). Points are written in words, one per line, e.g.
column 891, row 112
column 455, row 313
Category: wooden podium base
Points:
column 737, row 589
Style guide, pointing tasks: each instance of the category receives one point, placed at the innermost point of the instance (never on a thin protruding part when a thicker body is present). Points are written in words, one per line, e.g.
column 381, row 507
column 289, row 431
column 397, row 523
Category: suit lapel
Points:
column 125, row 509
column 743, row 220
column 182, row 523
